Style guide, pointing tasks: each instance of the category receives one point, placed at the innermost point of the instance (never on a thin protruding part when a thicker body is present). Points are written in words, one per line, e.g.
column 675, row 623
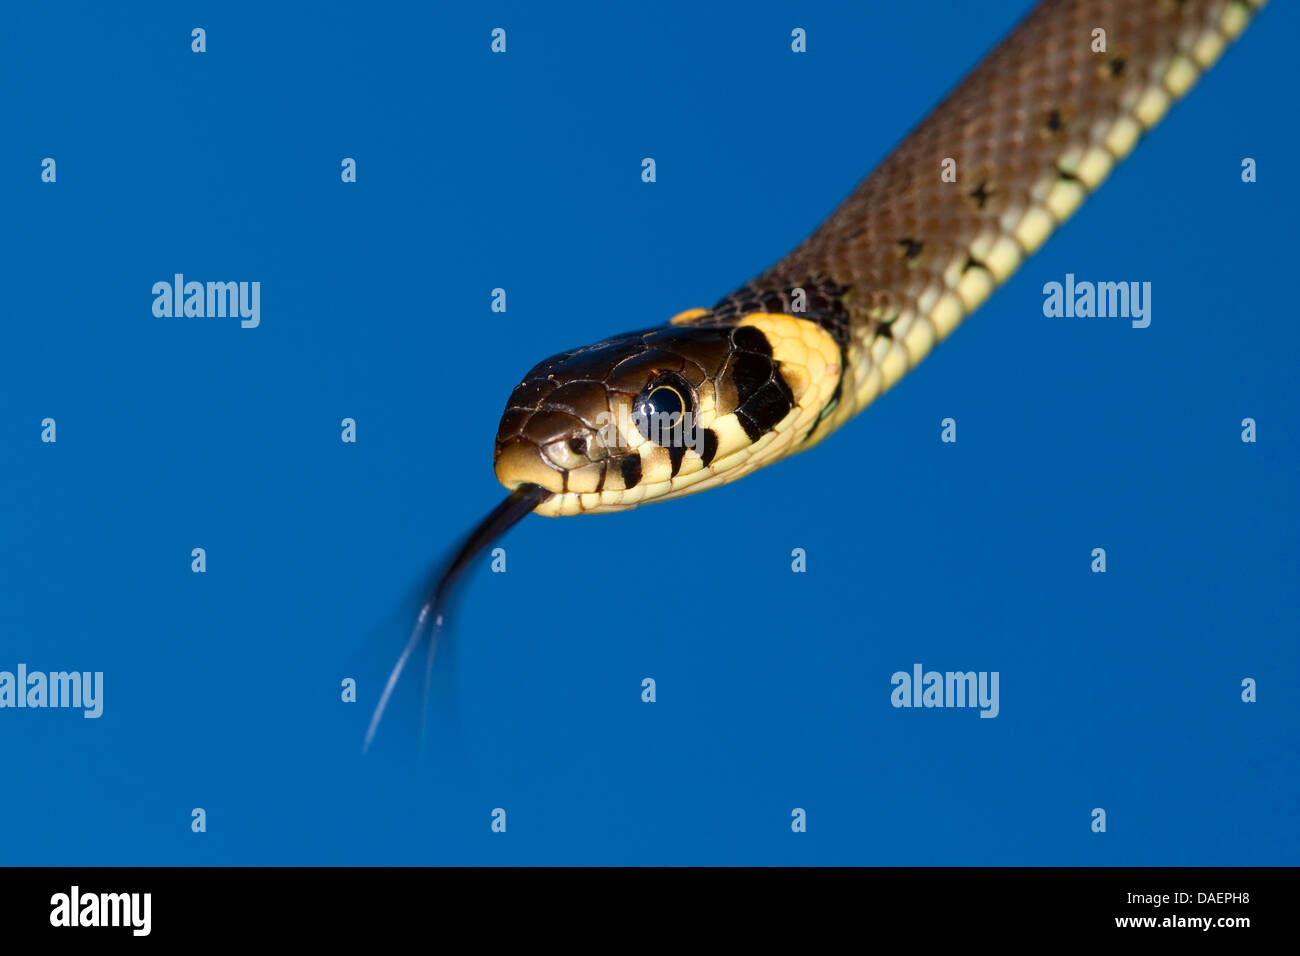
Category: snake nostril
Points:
column 578, row 445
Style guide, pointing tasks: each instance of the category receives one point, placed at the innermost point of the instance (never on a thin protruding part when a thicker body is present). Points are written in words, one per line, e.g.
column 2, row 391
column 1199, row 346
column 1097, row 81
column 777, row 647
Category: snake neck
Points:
column 855, row 319
column 985, row 179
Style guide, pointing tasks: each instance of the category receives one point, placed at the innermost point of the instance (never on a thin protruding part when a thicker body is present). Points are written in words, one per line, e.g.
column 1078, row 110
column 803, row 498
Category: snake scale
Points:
column 794, row 353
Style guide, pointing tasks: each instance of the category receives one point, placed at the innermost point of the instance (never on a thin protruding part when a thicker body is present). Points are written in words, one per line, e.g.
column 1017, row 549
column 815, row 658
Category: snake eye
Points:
column 660, row 411
column 665, row 400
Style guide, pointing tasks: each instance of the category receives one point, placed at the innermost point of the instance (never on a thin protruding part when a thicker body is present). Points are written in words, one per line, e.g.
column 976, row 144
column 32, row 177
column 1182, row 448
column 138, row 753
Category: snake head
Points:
column 662, row 412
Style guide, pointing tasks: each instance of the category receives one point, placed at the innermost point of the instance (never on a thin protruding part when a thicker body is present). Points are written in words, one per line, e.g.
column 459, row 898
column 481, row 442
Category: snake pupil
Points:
column 666, row 401
column 660, row 413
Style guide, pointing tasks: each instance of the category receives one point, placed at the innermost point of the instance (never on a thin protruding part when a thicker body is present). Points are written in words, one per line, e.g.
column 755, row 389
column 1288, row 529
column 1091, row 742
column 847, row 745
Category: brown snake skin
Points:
column 1019, row 126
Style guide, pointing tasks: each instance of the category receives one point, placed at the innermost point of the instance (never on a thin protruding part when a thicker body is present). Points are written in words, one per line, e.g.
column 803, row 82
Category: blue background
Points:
column 222, row 690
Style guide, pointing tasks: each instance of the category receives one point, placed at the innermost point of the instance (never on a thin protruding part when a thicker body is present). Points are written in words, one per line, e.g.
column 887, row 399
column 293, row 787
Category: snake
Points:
column 790, row 356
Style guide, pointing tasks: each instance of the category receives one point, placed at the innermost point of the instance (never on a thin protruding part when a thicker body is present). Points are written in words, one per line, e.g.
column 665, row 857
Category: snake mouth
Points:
column 520, row 462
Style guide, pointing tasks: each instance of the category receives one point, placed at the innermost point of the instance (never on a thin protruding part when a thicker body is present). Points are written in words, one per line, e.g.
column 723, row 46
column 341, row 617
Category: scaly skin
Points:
column 795, row 353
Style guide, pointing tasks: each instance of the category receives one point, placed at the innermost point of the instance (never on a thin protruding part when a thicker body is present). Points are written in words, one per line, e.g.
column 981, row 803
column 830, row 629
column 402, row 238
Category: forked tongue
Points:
column 429, row 622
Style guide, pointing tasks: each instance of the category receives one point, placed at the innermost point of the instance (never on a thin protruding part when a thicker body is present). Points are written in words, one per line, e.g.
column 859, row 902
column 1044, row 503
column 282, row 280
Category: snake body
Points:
column 791, row 355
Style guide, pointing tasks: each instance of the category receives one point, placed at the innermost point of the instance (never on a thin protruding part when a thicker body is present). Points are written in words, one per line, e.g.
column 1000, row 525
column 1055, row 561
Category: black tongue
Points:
column 502, row 518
